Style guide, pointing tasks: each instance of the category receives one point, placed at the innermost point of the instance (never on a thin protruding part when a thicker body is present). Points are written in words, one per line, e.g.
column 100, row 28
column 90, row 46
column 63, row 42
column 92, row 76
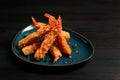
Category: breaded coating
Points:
column 55, row 52
column 31, row 38
column 27, row 50
column 46, row 37
column 63, row 45
column 39, row 25
column 65, row 34
column 46, row 44
column 49, row 40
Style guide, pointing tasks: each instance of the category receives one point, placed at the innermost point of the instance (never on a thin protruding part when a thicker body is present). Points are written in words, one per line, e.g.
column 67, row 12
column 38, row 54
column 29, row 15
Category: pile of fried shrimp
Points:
column 54, row 39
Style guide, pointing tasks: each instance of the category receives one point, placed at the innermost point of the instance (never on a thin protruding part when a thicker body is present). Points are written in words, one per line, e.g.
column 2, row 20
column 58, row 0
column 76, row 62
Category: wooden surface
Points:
column 98, row 20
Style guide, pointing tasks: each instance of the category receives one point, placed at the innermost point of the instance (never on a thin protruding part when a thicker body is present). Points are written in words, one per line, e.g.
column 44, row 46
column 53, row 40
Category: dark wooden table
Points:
column 98, row 20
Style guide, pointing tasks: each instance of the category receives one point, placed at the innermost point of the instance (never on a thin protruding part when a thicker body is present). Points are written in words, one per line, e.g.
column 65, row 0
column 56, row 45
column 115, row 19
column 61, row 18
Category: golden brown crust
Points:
column 49, row 39
column 27, row 50
column 63, row 45
column 55, row 39
column 55, row 52
column 46, row 44
column 31, row 38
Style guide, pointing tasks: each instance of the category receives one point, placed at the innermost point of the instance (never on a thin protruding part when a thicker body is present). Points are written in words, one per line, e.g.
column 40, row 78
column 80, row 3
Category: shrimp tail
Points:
column 35, row 23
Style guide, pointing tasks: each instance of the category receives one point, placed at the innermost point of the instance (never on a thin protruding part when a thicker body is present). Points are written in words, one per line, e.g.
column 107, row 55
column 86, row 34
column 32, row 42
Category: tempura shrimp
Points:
column 48, row 41
column 33, row 36
column 27, row 50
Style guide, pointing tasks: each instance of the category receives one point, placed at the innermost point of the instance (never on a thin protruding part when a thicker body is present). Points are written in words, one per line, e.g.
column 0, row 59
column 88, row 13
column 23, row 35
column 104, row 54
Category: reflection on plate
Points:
column 82, row 49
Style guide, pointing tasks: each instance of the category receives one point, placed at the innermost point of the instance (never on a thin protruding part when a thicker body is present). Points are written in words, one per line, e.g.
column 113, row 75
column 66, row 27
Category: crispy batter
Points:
column 46, row 44
column 55, row 39
column 48, row 41
column 63, row 45
column 55, row 52
column 39, row 25
column 31, row 38
column 27, row 50
column 65, row 34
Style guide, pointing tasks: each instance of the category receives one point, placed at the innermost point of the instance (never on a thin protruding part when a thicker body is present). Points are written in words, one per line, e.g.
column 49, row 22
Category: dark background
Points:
column 98, row 20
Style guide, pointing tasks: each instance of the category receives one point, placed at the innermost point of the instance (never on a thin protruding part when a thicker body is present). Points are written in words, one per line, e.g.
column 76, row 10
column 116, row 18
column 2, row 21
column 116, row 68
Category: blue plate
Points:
column 82, row 49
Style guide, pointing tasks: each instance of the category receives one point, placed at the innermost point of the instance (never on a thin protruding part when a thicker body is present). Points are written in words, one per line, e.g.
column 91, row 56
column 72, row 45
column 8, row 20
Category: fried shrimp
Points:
column 27, row 50
column 65, row 34
column 33, row 36
column 47, row 37
column 63, row 45
column 55, row 52
column 38, row 25
column 48, row 41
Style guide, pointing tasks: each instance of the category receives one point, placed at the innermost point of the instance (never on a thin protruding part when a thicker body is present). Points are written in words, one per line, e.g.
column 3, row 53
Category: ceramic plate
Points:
column 82, row 49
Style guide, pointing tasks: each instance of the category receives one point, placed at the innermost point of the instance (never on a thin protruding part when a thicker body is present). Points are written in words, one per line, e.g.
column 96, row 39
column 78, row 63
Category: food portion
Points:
column 54, row 40
column 34, row 36
column 63, row 45
column 30, row 49
column 48, row 41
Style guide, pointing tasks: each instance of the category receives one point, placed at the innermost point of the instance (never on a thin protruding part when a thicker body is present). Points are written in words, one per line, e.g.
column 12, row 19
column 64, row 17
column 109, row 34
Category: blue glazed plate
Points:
column 82, row 49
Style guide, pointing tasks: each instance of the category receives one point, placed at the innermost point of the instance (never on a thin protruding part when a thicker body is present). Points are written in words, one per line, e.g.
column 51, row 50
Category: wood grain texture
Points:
column 98, row 20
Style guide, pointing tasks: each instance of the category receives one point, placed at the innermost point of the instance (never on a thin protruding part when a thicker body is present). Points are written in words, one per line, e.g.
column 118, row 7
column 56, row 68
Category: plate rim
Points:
column 79, row 34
